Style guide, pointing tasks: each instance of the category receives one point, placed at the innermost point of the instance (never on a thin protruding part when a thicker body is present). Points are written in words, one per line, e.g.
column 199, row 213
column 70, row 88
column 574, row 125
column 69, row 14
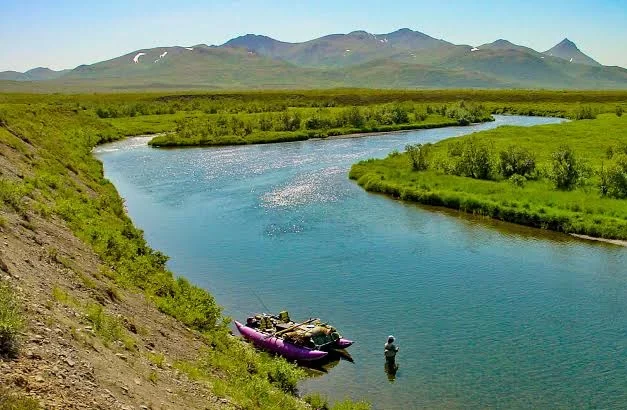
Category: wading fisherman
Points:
column 390, row 353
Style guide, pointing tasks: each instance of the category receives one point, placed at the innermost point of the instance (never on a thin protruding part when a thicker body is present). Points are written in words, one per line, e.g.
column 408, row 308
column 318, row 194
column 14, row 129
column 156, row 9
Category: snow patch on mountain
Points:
column 161, row 56
column 136, row 58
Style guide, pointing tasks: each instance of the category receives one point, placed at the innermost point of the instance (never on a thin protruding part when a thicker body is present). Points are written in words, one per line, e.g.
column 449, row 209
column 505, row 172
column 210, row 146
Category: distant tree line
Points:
column 352, row 117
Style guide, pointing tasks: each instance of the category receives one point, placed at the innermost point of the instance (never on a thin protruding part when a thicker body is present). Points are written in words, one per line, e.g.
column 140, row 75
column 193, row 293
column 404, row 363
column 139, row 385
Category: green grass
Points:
column 107, row 326
column 158, row 359
column 14, row 401
column 582, row 210
column 11, row 322
column 255, row 380
column 149, row 124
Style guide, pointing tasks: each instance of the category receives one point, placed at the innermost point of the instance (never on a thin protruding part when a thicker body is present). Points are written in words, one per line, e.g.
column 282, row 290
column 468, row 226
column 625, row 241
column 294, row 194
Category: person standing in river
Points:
column 390, row 352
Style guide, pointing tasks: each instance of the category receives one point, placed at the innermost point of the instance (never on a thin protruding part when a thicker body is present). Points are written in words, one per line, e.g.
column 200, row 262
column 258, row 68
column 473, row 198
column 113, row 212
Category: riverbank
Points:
column 535, row 201
column 104, row 323
column 268, row 137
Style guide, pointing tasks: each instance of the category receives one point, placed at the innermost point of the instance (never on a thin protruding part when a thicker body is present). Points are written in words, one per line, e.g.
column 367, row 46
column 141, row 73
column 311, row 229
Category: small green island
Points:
column 299, row 124
column 570, row 177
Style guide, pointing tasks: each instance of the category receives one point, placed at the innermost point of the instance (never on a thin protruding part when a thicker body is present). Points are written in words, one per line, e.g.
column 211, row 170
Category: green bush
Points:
column 418, row 155
column 585, row 113
column 516, row 160
column 614, row 179
column 11, row 193
column 190, row 304
column 518, row 180
column 619, row 111
column 474, row 160
column 10, row 322
column 565, row 170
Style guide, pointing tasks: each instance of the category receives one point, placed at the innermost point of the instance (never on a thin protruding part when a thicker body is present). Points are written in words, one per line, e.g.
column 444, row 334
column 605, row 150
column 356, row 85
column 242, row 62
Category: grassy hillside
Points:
column 90, row 271
column 518, row 174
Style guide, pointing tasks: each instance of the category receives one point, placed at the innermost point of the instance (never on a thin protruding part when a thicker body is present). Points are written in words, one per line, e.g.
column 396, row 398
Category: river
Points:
column 486, row 314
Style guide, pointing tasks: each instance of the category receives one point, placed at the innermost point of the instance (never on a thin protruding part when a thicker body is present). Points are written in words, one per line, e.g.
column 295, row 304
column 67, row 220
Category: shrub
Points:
column 585, row 113
column 316, row 401
column 518, row 180
column 10, row 322
column 515, row 160
column 619, row 111
column 283, row 374
column 609, row 152
column 565, row 170
column 419, row 156
column 352, row 116
column 108, row 327
column 191, row 305
column 614, row 179
column 11, row 193
column 474, row 161
column 394, row 154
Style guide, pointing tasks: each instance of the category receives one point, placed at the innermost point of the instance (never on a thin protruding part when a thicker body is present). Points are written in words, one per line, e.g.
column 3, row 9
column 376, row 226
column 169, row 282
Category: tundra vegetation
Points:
column 569, row 177
column 56, row 134
column 10, row 322
column 273, row 116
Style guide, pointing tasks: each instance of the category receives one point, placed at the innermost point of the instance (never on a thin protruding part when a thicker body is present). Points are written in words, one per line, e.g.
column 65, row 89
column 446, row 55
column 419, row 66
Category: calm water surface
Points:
column 486, row 314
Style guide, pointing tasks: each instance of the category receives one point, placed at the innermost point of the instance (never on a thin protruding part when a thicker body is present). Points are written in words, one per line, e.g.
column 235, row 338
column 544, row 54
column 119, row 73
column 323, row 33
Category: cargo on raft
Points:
column 306, row 341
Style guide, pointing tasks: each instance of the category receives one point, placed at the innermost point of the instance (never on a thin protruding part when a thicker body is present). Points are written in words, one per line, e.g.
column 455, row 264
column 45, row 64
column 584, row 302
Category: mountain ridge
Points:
column 403, row 58
column 567, row 50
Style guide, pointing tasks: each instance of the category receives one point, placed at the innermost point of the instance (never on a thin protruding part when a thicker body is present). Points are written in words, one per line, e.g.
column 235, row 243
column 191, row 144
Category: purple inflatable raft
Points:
column 307, row 341
column 277, row 345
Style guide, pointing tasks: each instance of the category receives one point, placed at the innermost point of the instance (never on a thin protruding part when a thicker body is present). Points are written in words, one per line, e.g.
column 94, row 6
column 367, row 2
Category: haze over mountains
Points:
column 401, row 59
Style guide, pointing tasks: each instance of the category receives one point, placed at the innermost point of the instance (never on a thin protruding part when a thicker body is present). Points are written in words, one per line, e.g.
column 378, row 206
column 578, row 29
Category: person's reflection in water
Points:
column 390, row 371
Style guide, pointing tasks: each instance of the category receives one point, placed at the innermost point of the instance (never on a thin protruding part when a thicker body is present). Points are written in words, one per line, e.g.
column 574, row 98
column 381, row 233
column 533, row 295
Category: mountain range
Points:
column 401, row 59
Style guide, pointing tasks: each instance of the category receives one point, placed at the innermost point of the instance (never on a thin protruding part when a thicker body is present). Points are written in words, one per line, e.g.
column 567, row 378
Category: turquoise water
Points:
column 486, row 314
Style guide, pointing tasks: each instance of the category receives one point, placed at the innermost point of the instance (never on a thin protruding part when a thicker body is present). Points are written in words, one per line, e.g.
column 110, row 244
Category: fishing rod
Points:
column 261, row 301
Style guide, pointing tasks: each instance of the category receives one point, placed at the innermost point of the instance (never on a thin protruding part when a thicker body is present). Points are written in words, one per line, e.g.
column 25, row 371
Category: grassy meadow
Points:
column 568, row 177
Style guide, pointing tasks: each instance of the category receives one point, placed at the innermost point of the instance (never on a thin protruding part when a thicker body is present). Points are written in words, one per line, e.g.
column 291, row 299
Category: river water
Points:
column 486, row 314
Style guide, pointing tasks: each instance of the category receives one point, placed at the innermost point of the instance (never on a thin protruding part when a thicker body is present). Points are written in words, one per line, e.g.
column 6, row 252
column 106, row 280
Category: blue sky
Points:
column 64, row 34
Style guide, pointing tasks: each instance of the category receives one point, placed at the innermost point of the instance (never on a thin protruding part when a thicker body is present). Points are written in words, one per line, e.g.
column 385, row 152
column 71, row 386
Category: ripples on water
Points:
column 487, row 314
column 317, row 187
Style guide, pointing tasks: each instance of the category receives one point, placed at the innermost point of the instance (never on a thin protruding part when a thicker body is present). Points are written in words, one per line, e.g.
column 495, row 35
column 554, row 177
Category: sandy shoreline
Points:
column 618, row 242
column 363, row 134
